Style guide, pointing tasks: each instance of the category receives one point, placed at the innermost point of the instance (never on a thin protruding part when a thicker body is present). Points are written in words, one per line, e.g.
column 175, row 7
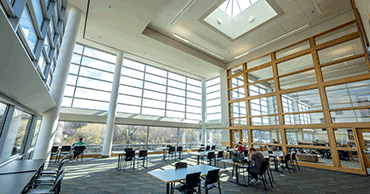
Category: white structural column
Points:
column 50, row 117
column 107, row 145
column 224, row 106
column 204, row 111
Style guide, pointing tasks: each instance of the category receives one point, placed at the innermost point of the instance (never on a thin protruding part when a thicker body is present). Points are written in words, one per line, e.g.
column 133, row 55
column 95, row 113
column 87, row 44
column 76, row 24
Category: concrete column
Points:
column 204, row 112
column 50, row 117
column 107, row 144
column 224, row 106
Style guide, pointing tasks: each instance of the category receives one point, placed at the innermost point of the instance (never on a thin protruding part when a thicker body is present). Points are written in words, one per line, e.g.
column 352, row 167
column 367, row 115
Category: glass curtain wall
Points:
column 213, row 97
column 323, row 85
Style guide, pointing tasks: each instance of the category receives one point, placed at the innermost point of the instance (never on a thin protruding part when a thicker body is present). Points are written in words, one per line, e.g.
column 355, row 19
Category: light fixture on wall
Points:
column 199, row 47
column 272, row 41
column 182, row 11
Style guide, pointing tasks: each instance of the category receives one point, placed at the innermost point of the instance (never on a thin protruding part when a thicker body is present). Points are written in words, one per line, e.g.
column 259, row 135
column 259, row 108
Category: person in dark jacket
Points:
column 254, row 170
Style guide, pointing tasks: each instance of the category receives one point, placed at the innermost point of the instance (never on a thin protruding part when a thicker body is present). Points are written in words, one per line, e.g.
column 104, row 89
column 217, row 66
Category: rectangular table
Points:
column 276, row 155
column 173, row 175
column 198, row 154
column 22, row 166
column 235, row 167
column 15, row 183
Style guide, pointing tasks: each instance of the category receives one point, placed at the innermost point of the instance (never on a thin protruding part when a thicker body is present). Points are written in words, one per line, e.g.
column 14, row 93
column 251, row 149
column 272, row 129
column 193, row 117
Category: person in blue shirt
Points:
column 78, row 152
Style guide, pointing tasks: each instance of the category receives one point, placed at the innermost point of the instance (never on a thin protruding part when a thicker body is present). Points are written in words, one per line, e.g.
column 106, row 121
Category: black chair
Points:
column 212, row 177
column 262, row 174
column 192, row 181
column 65, row 151
column 54, row 189
column 208, row 148
column 270, row 152
column 78, row 151
column 54, row 153
column 54, row 172
column 294, row 161
column 211, row 157
column 180, row 165
column 128, row 149
column 47, row 179
column 219, row 156
column 286, row 162
column 143, row 156
column 130, row 157
column 171, row 151
column 245, row 152
column 179, row 150
column 213, row 147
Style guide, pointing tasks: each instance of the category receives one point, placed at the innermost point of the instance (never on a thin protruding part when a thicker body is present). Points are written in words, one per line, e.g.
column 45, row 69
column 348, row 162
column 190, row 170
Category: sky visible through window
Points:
column 234, row 7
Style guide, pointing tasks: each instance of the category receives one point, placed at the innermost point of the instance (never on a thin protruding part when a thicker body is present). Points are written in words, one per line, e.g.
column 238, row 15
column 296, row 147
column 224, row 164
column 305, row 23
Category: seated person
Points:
column 78, row 152
column 274, row 141
column 241, row 147
column 254, row 170
column 316, row 143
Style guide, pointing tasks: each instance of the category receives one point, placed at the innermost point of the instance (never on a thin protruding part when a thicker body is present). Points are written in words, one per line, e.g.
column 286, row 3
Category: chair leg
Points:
column 270, row 179
column 219, row 186
column 297, row 165
column 264, row 184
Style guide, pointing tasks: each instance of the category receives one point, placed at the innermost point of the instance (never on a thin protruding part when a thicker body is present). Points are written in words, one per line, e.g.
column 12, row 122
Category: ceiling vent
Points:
column 182, row 11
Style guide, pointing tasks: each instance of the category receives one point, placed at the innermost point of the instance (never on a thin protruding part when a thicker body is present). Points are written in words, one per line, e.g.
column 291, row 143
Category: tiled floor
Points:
column 96, row 175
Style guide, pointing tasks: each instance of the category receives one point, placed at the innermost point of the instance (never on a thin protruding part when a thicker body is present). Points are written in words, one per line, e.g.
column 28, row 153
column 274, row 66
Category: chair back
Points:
column 192, row 180
column 179, row 148
column 212, row 176
column 227, row 148
column 220, row 154
column 208, row 147
column 211, row 155
column 287, row 157
column 245, row 153
column 213, row 147
column 143, row 153
column 270, row 152
column 171, row 149
column 293, row 156
column 130, row 154
column 128, row 149
column 80, row 148
column 201, row 150
column 57, row 184
column 264, row 166
column 201, row 144
column 54, row 149
column 180, row 165
column 66, row 148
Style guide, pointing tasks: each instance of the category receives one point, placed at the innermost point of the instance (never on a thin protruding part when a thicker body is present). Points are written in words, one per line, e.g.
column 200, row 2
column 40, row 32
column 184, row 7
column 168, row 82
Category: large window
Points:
column 148, row 90
column 90, row 78
column 68, row 133
column 213, row 96
column 214, row 137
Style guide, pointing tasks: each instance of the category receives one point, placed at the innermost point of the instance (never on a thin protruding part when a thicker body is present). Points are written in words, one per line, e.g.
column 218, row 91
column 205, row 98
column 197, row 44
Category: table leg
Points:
column 237, row 176
column 168, row 188
column 164, row 155
column 118, row 162
column 198, row 160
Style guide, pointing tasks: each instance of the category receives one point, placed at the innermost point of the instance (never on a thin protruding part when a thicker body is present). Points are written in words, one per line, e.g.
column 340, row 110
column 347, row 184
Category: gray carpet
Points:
column 96, row 175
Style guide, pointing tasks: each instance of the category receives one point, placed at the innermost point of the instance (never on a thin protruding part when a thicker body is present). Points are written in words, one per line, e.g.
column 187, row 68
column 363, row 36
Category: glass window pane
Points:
column 310, row 99
column 213, row 88
column 213, row 81
column 175, row 114
column 176, row 91
column 130, row 134
column 297, row 80
column 346, row 49
column 152, row 111
column 336, row 34
column 52, row 31
column 345, row 69
column 156, row 79
column 98, row 64
column 130, row 91
column 194, row 109
column 76, row 58
column 177, row 107
column 69, row 90
column 214, row 109
column 176, row 77
column 78, row 48
column 154, row 95
column 153, row 103
column 176, row 84
column 56, row 13
column 156, row 87
column 194, row 102
column 194, row 89
column 295, row 64
column 176, row 99
column 193, row 116
column 14, row 141
column 131, row 81
column 36, row 132
column 260, row 74
column 129, row 100
column 66, row 102
column 294, row 49
column 100, row 55
column 128, row 109
column 194, row 82
column 95, row 84
column 193, row 95
column 92, row 94
column 89, row 104
column 38, row 12
column 259, row 61
column 73, row 69
column 133, row 64
column 28, row 29
column 2, row 113
column 214, row 102
column 42, row 63
column 156, row 71
column 71, row 80
column 96, row 74
column 47, row 45
column 211, row 117
column 162, row 135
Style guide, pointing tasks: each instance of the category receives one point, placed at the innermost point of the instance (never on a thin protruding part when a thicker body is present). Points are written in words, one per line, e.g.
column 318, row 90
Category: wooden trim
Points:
column 260, row 81
column 307, row 112
column 338, row 41
column 349, row 108
column 269, row 115
column 271, row 144
column 296, row 72
column 260, row 57
column 259, row 67
column 235, row 75
column 238, row 117
column 334, row 29
column 230, row 89
column 343, row 60
column 347, row 149
column 347, row 80
column 291, row 45
column 308, row 146
column 225, row 143
column 293, row 56
column 329, row 167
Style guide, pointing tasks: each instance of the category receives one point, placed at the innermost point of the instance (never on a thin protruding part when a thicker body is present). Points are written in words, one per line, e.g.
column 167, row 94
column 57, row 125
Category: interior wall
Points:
column 363, row 7
column 341, row 19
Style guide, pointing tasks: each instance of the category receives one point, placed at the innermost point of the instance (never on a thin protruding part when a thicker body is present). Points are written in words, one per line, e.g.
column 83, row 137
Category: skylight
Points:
column 234, row 7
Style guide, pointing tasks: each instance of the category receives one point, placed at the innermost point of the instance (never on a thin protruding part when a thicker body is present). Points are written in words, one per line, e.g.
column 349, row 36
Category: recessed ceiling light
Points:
column 251, row 19
column 219, row 21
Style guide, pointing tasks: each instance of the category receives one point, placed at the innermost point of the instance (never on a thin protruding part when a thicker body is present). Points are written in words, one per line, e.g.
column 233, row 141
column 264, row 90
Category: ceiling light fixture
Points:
column 182, row 11
column 199, row 47
column 317, row 7
column 274, row 40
